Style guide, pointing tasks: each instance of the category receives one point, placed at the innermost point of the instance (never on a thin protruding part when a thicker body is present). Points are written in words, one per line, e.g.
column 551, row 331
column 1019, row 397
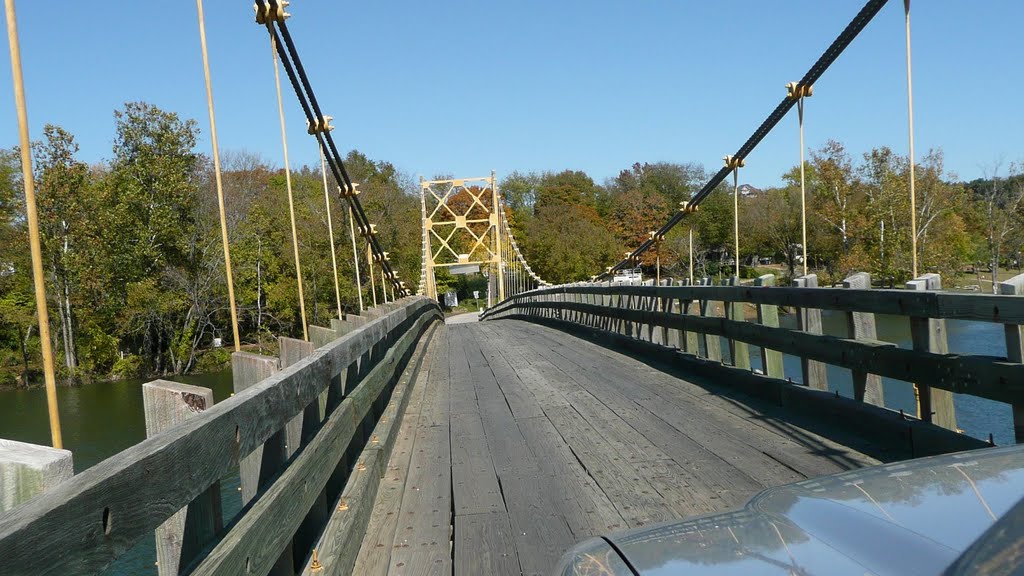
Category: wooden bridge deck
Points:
column 520, row 440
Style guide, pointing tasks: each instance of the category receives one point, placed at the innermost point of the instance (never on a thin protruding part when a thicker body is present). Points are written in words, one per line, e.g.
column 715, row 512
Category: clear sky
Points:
column 464, row 87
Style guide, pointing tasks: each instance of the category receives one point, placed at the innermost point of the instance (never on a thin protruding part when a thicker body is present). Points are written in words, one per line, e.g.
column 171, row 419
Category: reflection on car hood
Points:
column 912, row 517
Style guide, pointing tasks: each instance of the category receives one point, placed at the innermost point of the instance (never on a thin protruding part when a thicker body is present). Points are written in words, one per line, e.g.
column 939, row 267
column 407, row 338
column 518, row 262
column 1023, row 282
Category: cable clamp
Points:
column 266, row 13
column 796, row 90
column 655, row 236
column 349, row 191
column 687, row 208
column 732, row 162
column 322, row 125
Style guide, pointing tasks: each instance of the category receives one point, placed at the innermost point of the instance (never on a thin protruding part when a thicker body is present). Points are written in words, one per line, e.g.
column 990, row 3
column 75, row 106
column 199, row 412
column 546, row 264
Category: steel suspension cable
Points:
column 330, row 232
column 288, row 185
column 859, row 22
column 355, row 259
column 32, row 217
column 270, row 13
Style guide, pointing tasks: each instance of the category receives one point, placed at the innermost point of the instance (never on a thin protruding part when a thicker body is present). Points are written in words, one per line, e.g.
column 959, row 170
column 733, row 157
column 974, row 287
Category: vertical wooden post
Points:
column 814, row 373
column 861, row 325
column 740, row 351
column 182, row 536
column 929, row 334
column 260, row 466
column 27, row 470
column 301, row 430
column 768, row 315
column 711, row 345
column 1015, row 350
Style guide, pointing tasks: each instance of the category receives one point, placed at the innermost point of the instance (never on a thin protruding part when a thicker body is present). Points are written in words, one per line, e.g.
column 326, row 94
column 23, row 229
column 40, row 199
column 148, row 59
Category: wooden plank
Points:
column 474, row 480
column 343, row 534
column 28, row 470
column 320, row 336
column 1015, row 350
column 423, row 540
column 256, row 539
column 484, row 545
column 255, row 469
column 710, row 346
column 634, row 498
column 726, row 435
column 574, row 494
column 375, row 552
column 948, row 305
column 768, row 315
column 935, row 405
column 814, row 373
column 540, row 533
column 738, row 349
column 180, row 539
column 867, row 387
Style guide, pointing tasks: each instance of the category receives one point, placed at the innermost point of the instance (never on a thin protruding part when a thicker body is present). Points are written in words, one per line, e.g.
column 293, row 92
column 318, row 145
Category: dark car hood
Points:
column 911, row 517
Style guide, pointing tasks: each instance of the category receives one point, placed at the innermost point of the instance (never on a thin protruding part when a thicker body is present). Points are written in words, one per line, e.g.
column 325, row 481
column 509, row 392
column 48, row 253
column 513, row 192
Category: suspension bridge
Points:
column 394, row 442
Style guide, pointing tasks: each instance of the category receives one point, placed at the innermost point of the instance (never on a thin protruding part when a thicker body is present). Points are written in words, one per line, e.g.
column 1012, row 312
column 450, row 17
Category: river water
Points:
column 100, row 420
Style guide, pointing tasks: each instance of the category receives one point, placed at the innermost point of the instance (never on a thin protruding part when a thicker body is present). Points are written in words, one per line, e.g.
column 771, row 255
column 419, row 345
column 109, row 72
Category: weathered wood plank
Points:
column 936, row 405
column 180, row 539
column 768, row 315
column 484, row 545
column 474, row 480
column 28, row 470
column 814, row 373
column 1015, row 350
column 256, row 539
column 948, row 305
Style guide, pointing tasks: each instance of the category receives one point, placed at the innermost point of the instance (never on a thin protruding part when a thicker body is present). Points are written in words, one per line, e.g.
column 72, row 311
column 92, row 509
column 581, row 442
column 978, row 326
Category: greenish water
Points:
column 98, row 421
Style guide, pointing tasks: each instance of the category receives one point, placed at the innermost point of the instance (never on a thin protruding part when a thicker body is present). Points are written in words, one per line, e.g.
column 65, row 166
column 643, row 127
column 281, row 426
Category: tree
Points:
column 61, row 185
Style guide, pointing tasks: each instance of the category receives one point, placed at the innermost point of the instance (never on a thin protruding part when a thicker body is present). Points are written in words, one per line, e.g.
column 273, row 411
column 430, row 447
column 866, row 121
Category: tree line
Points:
column 858, row 219
column 133, row 259
column 134, row 266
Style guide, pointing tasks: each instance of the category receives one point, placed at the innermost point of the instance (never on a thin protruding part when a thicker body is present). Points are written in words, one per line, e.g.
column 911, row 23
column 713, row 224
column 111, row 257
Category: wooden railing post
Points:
column 27, row 470
column 860, row 326
column 814, row 373
column 740, row 351
column 1015, row 350
column 264, row 463
column 768, row 315
column 929, row 335
column 710, row 346
column 182, row 536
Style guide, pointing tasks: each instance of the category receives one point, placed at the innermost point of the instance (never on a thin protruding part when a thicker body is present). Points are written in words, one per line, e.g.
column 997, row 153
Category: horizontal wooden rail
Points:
column 84, row 524
column 691, row 319
column 985, row 376
column 946, row 305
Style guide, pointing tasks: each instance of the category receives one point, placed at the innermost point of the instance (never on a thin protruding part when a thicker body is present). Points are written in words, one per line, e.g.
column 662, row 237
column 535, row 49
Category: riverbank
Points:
column 208, row 361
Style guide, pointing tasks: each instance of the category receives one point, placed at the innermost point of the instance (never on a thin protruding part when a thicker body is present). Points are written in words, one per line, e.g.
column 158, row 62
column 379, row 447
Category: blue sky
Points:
column 465, row 87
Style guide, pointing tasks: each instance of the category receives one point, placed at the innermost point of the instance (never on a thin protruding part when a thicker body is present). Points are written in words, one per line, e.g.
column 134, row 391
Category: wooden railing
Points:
column 690, row 320
column 311, row 439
